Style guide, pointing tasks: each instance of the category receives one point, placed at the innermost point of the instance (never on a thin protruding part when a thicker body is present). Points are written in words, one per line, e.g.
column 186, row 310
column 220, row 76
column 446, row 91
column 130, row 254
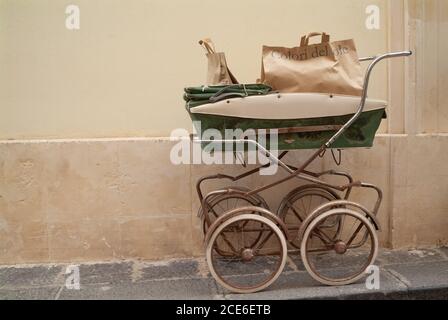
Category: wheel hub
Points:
column 247, row 255
column 340, row 247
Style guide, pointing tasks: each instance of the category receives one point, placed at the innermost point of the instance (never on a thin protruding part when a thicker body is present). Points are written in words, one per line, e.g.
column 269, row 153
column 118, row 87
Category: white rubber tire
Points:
column 316, row 221
column 272, row 225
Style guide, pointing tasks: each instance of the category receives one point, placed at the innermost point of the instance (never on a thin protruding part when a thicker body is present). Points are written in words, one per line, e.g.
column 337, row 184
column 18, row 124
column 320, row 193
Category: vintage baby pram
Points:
column 246, row 242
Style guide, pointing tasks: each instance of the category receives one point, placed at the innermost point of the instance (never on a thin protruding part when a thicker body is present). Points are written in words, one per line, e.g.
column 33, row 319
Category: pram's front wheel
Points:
column 256, row 262
column 339, row 258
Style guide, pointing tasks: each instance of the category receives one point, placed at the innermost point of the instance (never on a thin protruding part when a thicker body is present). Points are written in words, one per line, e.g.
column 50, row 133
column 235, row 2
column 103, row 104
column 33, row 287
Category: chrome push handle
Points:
column 389, row 55
column 375, row 60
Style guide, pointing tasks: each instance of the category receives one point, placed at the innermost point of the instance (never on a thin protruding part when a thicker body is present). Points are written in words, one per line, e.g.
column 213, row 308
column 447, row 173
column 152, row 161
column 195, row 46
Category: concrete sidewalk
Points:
column 411, row 274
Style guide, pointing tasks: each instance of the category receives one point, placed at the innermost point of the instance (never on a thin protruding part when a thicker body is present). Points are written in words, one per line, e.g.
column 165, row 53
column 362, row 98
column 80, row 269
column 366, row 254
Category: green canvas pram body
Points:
column 302, row 120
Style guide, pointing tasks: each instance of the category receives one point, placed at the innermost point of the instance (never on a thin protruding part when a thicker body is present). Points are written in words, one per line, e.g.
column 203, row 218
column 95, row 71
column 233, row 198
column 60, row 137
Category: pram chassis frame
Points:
column 300, row 172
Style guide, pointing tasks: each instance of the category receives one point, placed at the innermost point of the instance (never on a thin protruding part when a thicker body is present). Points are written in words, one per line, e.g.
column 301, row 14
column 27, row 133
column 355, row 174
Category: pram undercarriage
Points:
column 247, row 244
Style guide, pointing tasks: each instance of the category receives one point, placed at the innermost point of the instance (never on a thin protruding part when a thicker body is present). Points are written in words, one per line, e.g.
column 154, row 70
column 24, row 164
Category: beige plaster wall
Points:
column 419, row 190
column 92, row 200
column 123, row 72
column 123, row 199
column 427, row 78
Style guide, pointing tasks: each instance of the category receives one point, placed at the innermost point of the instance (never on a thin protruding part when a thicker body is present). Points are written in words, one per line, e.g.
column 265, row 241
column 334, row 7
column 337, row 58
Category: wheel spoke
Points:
column 322, row 236
column 236, row 203
column 220, row 206
column 262, row 243
column 309, row 205
column 298, row 205
column 296, row 213
column 229, row 243
column 349, row 242
column 303, row 204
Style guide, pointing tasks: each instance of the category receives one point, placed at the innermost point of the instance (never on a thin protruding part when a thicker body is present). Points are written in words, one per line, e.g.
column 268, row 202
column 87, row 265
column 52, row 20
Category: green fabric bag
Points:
column 196, row 96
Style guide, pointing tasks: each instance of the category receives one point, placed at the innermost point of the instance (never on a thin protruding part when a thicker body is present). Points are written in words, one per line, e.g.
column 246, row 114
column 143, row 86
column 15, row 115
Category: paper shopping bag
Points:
column 326, row 67
column 218, row 73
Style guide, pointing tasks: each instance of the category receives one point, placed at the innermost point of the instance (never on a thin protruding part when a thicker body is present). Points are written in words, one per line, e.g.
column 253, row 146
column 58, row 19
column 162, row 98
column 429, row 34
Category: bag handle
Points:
column 208, row 45
column 305, row 39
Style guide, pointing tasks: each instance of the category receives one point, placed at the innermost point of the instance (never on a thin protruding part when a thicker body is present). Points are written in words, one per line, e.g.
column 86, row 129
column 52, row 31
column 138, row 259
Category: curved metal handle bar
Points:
column 389, row 55
column 364, row 91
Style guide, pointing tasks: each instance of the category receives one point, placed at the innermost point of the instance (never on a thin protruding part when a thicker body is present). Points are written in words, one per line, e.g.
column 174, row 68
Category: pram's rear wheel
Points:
column 222, row 203
column 299, row 203
column 254, row 265
column 339, row 258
